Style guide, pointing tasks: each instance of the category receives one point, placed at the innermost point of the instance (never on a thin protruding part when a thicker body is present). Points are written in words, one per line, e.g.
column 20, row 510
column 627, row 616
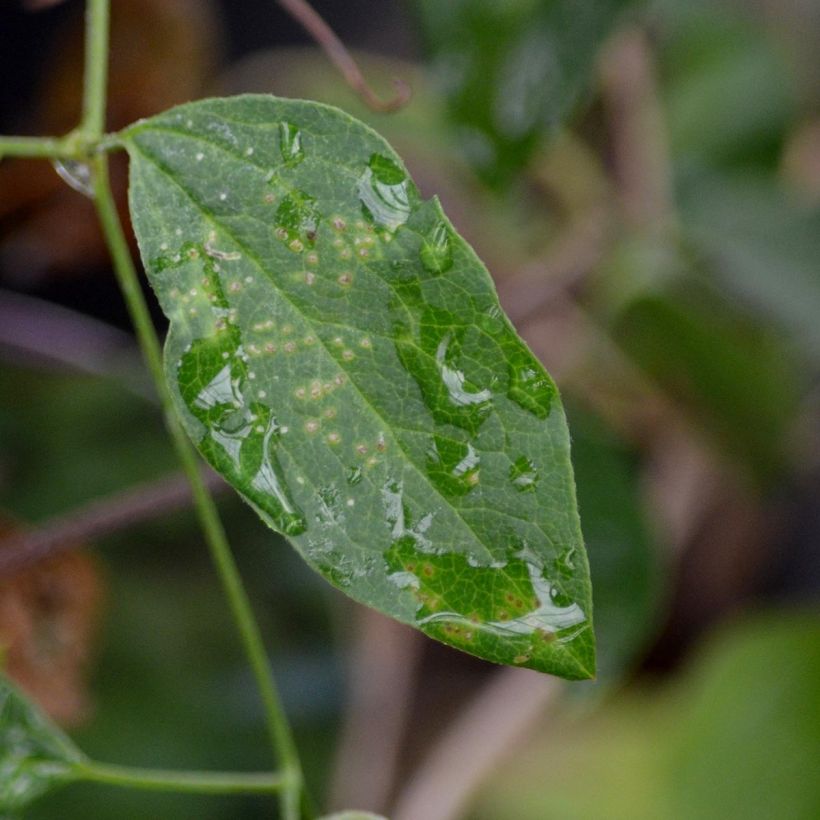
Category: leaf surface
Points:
column 35, row 755
column 338, row 354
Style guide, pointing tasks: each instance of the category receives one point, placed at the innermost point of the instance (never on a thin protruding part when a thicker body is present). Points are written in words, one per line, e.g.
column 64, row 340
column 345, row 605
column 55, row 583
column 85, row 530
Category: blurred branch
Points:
column 485, row 732
column 382, row 671
column 99, row 518
column 338, row 54
column 638, row 134
column 34, row 330
column 573, row 256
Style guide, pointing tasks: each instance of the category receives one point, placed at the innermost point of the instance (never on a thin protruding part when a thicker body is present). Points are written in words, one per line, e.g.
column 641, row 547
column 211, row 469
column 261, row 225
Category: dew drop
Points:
column 436, row 251
column 77, row 174
column 269, row 482
column 290, row 144
column 523, row 474
column 492, row 320
column 453, row 466
column 384, row 191
column 239, row 434
column 297, row 220
column 455, row 381
column 530, row 387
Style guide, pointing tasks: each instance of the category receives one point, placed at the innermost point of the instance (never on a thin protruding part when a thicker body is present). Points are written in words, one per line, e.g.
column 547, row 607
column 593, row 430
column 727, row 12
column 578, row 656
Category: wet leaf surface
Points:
column 34, row 755
column 338, row 353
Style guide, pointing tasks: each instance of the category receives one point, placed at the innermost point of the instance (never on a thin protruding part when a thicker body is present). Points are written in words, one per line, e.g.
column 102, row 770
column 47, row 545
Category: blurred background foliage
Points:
column 642, row 178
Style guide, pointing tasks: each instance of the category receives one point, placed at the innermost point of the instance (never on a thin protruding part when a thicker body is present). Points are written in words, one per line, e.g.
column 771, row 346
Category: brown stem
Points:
column 39, row 333
column 99, row 518
column 639, row 141
column 488, row 728
column 323, row 34
column 383, row 667
column 572, row 258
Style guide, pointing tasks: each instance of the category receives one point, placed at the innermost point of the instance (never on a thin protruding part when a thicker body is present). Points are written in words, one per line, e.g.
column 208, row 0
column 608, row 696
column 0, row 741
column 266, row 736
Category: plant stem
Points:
column 171, row 781
column 99, row 518
column 49, row 147
column 96, row 68
column 277, row 724
column 81, row 142
column 92, row 127
column 335, row 49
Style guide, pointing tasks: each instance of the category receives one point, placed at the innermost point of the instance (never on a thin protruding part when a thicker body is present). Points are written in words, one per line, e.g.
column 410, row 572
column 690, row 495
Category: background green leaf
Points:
column 510, row 71
column 733, row 377
column 337, row 352
column 35, row 755
column 623, row 556
column 735, row 736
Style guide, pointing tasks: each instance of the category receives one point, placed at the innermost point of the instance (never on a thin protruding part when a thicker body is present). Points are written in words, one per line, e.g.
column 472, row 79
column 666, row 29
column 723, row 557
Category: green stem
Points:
column 277, row 724
column 171, row 781
column 49, row 147
column 96, row 68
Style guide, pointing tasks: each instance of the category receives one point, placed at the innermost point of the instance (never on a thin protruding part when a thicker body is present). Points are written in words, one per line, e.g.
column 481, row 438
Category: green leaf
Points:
column 762, row 245
column 717, row 65
column 626, row 570
column 512, row 70
column 35, row 755
column 338, row 354
column 733, row 377
column 735, row 735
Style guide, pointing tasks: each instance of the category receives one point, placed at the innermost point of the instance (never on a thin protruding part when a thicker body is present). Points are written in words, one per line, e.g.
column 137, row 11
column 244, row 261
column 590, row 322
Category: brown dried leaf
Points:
column 49, row 615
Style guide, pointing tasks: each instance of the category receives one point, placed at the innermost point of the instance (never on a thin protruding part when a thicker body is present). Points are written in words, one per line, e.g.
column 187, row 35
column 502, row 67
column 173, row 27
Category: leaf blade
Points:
column 337, row 352
column 35, row 756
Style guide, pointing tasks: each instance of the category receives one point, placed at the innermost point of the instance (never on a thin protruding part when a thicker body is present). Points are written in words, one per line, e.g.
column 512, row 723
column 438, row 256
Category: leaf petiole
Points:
column 179, row 781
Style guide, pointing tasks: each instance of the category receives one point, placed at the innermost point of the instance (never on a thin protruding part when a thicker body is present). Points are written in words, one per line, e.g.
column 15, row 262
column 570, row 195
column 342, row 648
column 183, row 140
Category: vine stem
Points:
column 125, row 272
column 92, row 126
column 192, row 782
column 95, row 81
column 47, row 147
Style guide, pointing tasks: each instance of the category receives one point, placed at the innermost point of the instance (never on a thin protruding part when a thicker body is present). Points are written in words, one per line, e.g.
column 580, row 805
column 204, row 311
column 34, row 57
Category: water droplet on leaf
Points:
column 531, row 388
column 290, row 144
column 456, row 382
column 436, row 252
column 297, row 220
column 523, row 474
column 453, row 466
column 384, row 191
